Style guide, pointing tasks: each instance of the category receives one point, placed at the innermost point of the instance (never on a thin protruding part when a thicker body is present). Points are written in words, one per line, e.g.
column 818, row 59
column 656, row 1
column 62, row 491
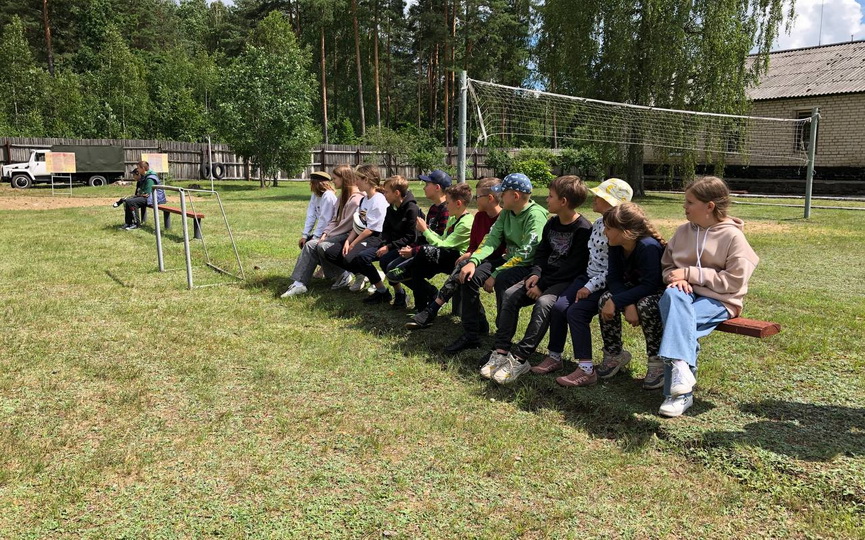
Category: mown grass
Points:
column 131, row 407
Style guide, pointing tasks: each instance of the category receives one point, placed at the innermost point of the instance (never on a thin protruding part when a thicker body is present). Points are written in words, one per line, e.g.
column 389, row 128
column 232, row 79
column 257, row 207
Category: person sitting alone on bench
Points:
column 143, row 197
column 706, row 266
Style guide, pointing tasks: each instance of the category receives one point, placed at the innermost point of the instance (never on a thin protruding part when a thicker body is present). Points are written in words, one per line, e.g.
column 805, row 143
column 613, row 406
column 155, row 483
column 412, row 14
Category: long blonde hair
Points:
column 632, row 221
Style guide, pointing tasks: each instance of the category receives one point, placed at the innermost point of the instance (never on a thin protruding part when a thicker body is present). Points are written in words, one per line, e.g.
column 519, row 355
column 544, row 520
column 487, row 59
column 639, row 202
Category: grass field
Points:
column 131, row 407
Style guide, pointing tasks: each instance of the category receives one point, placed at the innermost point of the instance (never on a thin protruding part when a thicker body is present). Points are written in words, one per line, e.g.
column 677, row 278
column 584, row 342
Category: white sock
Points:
column 557, row 356
column 587, row 366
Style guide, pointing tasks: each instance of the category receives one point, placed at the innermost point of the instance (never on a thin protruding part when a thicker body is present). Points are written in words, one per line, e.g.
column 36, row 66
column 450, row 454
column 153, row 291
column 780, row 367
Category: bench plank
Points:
column 196, row 218
column 749, row 327
column 173, row 210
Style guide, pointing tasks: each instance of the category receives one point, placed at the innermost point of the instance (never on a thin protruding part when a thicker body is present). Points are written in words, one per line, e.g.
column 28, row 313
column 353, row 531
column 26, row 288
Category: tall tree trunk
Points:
column 323, row 87
column 635, row 168
column 446, row 55
column 48, row 47
column 375, row 63
column 389, row 78
column 453, row 65
column 357, row 61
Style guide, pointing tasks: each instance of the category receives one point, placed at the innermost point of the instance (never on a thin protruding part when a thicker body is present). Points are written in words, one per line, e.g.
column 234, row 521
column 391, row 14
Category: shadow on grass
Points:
column 799, row 430
column 617, row 409
column 147, row 228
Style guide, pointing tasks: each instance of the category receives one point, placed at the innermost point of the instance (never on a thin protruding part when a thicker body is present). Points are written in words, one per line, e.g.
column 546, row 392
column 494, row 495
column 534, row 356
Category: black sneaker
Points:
column 464, row 342
column 378, row 297
column 399, row 300
column 423, row 319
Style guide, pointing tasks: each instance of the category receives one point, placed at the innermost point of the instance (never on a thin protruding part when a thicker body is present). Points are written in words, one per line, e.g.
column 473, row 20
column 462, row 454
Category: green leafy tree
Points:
column 681, row 54
column 265, row 101
column 123, row 107
column 20, row 100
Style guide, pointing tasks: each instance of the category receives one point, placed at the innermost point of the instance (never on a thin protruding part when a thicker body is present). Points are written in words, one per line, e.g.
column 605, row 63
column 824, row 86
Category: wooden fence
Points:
column 185, row 159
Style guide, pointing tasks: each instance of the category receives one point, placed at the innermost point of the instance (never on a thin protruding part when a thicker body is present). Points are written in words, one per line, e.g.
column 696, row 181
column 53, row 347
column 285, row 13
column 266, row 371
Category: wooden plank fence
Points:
column 185, row 158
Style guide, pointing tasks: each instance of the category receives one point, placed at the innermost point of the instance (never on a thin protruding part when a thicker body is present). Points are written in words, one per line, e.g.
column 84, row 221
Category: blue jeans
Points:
column 686, row 317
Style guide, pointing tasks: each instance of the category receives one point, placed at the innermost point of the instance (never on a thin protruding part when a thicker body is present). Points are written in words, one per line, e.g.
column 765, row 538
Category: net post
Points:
column 157, row 229
column 812, row 151
column 461, row 152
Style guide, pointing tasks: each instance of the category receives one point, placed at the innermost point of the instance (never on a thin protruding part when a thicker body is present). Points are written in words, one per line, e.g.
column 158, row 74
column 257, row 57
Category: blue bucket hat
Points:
column 437, row 177
column 516, row 182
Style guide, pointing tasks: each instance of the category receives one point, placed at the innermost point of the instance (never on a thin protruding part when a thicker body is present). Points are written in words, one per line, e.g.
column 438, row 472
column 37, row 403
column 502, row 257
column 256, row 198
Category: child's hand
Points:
column 463, row 257
column 346, row 247
column 381, row 251
column 301, row 242
column 534, row 292
column 531, row 281
column 405, row 252
column 421, row 225
column 682, row 285
column 582, row 293
column 632, row 316
column 467, row 271
column 676, row 275
column 489, row 284
column 609, row 310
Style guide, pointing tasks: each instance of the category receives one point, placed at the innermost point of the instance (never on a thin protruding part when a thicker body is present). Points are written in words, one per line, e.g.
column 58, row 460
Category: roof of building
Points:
column 813, row 71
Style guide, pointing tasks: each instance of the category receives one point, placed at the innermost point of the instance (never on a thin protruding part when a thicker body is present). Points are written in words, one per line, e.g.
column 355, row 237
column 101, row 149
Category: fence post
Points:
column 323, row 159
column 357, row 157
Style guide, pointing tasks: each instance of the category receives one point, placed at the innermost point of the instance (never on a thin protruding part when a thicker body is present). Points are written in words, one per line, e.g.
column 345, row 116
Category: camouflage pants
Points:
column 650, row 321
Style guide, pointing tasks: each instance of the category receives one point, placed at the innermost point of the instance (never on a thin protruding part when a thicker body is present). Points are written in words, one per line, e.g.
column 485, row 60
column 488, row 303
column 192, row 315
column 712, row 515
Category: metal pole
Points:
column 812, row 151
column 461, row 151
column 158, row 231
column 186, row 240
column 210, row 161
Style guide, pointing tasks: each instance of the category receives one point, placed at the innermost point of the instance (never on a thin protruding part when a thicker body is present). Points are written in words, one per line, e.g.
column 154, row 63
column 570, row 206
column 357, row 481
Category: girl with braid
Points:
column 634, row 285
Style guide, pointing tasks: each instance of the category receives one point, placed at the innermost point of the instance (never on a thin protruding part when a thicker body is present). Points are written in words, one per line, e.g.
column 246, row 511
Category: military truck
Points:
column 94, row 166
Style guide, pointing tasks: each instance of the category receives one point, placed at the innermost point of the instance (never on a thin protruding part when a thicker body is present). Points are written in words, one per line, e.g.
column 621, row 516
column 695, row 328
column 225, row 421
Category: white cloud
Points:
column 841, row 20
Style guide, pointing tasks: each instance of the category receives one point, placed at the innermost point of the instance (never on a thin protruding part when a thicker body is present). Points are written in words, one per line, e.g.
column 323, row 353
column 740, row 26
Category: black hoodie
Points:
column 400, row 224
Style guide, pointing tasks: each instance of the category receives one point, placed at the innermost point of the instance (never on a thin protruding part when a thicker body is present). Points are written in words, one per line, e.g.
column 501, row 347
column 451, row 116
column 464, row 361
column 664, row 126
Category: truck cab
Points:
column 24, row 175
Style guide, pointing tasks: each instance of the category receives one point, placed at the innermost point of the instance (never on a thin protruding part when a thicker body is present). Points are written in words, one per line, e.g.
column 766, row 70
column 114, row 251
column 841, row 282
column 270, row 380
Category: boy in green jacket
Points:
column 440, row 253
column 519, row 226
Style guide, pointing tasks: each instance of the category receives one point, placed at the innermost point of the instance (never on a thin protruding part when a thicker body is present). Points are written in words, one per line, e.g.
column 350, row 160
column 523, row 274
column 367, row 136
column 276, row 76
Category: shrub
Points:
column 499, row 161
column 584, row 161
column 537, row 170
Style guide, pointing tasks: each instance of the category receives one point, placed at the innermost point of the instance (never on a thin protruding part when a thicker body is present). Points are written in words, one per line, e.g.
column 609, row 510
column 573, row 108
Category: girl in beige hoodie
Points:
column 706, row 267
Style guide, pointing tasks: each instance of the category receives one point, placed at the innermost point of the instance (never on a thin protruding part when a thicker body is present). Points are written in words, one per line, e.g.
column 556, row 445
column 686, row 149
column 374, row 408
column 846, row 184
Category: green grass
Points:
column 132, row 407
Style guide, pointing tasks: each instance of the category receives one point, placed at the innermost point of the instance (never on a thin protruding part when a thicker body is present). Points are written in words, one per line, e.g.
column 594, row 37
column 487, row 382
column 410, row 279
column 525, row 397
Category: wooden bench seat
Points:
column 749, row 327
column 168, row 210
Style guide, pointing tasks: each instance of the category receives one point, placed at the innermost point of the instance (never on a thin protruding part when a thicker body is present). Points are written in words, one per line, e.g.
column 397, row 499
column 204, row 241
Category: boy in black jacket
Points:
column 562, row 254
column 399, row 231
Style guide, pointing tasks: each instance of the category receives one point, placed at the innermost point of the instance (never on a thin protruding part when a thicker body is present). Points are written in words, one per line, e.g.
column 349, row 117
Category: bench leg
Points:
column 196, row 225
column 144, row 210
column 167, row 220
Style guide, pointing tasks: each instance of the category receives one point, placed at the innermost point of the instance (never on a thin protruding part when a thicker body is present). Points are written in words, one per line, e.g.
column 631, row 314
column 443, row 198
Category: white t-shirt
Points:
column 319, row 212
column 374, row 209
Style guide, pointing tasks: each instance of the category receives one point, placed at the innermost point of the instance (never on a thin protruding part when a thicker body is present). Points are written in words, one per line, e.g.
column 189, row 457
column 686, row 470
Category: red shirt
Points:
column 480, row 227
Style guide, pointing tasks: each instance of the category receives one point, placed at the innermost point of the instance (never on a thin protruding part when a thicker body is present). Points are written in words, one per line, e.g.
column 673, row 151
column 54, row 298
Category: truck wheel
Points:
column 97, row 181
column 21, row 181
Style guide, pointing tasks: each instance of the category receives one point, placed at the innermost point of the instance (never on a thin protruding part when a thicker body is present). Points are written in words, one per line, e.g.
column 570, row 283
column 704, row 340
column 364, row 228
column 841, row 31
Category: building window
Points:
column 803, row 132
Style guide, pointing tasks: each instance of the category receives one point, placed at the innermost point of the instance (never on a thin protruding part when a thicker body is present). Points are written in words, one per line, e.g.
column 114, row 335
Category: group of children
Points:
column 565, row 267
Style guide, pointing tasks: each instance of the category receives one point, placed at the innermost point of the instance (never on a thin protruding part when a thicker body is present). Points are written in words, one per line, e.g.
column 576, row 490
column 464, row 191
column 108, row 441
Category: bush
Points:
column 537, row 170
column 499, row 161
column 583, row 161
column 541, row 154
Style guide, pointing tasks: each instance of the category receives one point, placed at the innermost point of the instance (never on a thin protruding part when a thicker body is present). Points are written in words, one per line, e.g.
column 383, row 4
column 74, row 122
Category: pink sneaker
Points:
column 548, row 365
column 579, row 378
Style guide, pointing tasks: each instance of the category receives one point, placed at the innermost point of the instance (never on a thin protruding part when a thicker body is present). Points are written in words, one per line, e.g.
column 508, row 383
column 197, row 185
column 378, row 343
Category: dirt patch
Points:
column 751, row 227
column 51, row 203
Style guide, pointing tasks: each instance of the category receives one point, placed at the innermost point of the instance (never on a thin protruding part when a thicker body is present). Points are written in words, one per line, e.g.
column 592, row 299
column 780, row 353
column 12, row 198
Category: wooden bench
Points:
column 168, row 210
column 749, row 327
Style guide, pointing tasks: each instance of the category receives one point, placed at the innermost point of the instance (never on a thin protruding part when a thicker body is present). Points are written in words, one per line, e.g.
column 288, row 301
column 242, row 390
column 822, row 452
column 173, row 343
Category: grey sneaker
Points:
column 360, row 282
column 343, row 281
column 512, row 369
column 612, row 364
column 493, row 364
column 654, row 378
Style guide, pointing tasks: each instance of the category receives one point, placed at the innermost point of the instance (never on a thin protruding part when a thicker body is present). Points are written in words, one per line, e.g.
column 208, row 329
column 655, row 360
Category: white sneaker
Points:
column 294, row 290
column 682, row 380
column 675, row 406
column 343, row 281
column 493, row 364
column 512, row 369
column 381, row 277
column 359, row 283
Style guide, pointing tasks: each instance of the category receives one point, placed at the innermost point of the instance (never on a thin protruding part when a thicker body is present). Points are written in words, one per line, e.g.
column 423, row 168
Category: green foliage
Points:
column 342, row 132
column 584, row 161
column 20, row 99
column 408, row 146
column 500, row 161
column 123, row 106
column 537, row 170
column 427, row 154
column 265, row 101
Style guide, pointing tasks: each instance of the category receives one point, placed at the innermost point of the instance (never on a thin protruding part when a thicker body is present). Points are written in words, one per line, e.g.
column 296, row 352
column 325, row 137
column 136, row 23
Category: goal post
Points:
column 525, row 115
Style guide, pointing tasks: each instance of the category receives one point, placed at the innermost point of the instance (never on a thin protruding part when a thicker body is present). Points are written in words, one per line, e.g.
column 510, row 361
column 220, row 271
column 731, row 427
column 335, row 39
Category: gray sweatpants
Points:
column 312, row 255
